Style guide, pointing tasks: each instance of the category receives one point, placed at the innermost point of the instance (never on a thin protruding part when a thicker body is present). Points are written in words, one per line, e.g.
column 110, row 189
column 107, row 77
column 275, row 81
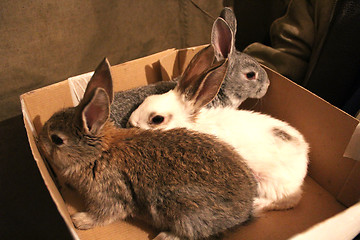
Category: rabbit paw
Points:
column 261, row 205
column 166, row 236
column 83, row 220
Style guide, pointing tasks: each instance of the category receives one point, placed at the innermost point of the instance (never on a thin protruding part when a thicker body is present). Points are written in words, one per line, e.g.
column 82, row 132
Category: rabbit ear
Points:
column 100, row 79
column 210, row 85
column 222, row 39
column 228, row 15
column 201, row 62
column 95, row 113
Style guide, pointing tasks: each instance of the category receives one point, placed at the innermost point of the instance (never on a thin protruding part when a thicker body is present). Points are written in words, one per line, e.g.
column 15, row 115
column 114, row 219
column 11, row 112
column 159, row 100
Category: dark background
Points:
column 26, row 208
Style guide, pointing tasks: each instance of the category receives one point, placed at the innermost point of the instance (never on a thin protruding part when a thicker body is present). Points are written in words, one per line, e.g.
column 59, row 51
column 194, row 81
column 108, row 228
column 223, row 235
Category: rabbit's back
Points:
column 183, row 179
column 182, row 156
column 180, row 149
column 259, row 138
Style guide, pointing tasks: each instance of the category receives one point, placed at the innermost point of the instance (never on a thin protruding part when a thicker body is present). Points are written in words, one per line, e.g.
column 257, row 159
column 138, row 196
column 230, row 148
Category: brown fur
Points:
column 132, row 172
column 189, row 185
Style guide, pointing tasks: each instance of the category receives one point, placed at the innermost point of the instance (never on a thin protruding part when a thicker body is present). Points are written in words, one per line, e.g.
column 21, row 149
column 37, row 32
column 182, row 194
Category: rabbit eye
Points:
column 250, row 75
column 56, row 139
column 157, row 119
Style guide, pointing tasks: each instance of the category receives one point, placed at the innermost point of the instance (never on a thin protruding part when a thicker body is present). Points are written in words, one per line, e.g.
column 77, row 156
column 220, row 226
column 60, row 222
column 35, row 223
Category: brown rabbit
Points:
column 186, row 184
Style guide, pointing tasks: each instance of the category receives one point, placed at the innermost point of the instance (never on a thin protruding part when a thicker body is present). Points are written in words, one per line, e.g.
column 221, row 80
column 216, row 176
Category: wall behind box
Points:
column 48, row 41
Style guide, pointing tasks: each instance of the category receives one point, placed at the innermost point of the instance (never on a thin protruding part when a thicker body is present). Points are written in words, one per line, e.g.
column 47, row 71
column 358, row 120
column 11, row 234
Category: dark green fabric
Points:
column 255, row 18
column 294, row 37
column 42, row 42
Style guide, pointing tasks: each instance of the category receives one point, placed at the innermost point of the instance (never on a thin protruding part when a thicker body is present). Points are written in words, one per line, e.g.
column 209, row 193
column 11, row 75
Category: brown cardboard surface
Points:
column 42, row 103
column 326, row 128
column 349, row 194
column 46, row 175
column 185, row 56
column 169, row 66
column 138, row 72
column 175, row 63
column 315, row 206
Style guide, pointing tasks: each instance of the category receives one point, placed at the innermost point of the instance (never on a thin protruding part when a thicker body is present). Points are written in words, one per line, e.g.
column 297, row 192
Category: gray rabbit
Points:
column 245, row 78
column 188, row 185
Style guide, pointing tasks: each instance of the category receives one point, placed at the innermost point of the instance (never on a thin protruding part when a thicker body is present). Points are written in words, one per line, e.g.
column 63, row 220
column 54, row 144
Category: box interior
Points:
column 330, row 187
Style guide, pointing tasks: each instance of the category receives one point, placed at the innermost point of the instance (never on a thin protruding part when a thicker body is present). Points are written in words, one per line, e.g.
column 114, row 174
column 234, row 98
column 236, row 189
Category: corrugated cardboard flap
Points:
column 326, row 128
column 33, row 124
column 174, row 64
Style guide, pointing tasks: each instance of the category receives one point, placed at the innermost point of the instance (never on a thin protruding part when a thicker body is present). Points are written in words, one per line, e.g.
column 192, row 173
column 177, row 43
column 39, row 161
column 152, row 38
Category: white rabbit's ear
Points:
column 100, row 79
column 222, row 39
column 95, row 113
column 199, row 64
column 228, row 15
column 210, row 85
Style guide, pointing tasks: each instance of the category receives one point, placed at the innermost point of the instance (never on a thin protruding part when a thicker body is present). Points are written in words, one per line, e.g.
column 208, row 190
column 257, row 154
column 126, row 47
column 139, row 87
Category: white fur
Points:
column 279, row 165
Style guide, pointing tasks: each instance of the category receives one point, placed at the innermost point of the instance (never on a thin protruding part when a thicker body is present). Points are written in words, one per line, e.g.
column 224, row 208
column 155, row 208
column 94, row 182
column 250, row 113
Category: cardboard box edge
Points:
column 29, row 134
column 48, row 181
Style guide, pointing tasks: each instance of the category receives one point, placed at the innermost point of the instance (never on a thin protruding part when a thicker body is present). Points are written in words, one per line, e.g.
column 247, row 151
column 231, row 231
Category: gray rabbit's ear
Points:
column 228, row 15
column 100, row 79
column 222, row 39
column 96, row 112
column 199, row 64
column 210, row 85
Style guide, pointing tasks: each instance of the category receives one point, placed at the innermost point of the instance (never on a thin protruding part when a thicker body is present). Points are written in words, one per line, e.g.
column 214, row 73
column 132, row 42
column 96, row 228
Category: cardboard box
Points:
column 331, row 186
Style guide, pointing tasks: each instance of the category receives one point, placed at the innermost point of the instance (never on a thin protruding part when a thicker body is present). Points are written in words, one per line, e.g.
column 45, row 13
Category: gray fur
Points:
column 282, row 134
column 236, row 87
column 125, row 102
column 188, row 185
column 228, row 15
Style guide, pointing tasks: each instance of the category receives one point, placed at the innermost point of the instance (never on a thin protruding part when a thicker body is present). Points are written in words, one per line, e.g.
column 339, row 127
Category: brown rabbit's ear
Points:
column 210, row 85
column 100, row 79
column 96, row 112
column 222, row 39
column 200, row 63
column 228, row 15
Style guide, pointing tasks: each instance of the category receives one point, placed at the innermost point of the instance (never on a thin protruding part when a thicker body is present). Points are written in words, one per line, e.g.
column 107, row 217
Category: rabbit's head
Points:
column 245, row 77
column 197, row 87
column 74, row 135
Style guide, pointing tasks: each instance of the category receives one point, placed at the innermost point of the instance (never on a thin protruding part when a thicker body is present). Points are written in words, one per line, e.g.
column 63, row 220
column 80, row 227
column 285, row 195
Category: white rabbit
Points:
column 276, row 152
